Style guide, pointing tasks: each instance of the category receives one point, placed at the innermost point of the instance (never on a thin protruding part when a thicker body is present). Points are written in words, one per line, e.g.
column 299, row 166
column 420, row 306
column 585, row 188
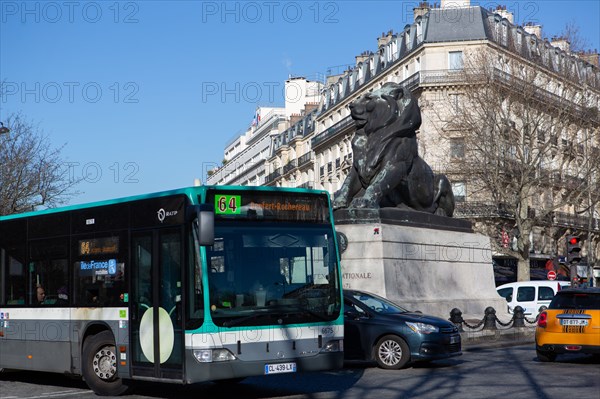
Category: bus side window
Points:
column 48, row 270
column 13, row 274
column 15, row 282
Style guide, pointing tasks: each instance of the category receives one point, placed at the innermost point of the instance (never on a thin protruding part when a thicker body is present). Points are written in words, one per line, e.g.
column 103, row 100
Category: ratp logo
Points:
column 162, row 214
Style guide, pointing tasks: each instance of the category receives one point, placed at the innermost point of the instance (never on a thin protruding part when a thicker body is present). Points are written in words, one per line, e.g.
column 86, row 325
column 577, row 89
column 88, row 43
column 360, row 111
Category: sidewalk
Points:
column 503, row 337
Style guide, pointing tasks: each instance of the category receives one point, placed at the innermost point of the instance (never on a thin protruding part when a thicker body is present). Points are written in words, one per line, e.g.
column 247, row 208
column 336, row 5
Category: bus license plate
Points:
column 280, row 368
column 573, row 322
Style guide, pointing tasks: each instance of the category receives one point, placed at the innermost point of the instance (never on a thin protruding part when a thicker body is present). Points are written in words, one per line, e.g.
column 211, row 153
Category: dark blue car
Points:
column 377, row 329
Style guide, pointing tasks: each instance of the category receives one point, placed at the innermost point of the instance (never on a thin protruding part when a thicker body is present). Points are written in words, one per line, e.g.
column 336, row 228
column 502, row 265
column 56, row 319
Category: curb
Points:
column 494, row 345
column 479, row 340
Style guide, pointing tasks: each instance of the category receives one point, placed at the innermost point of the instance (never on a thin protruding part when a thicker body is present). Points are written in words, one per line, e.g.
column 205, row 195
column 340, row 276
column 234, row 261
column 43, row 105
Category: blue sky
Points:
column 145, row 94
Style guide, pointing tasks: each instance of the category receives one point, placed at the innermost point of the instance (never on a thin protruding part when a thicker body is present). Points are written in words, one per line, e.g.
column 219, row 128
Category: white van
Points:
column 530, row 295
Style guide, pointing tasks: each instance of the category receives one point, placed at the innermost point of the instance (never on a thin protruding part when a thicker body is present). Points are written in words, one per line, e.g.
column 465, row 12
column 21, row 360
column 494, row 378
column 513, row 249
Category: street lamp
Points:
column 3, row 129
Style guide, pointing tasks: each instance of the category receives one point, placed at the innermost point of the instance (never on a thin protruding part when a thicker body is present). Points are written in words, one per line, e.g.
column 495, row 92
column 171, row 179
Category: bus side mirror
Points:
column 205, row 216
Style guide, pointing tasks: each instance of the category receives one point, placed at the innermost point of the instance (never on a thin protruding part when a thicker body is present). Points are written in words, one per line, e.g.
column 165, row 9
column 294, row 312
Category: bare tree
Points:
column 531, row 145
column 572, row 34
column 32, row 173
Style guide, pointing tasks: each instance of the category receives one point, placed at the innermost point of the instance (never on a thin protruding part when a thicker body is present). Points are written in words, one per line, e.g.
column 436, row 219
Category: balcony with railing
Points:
column 333, row 131
column 272, row 176
column 305, row 159
column 308, row 184
column 475, row 210
column 585, row 114
column 288, row 167
column 573, row 220
column 486, row 210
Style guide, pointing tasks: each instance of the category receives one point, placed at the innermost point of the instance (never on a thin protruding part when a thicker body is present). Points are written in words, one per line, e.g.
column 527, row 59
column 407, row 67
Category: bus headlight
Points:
column 213, row 355
column 336, row 345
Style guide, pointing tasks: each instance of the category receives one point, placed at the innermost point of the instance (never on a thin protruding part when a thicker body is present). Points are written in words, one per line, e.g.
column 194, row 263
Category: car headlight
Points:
column 422, row 328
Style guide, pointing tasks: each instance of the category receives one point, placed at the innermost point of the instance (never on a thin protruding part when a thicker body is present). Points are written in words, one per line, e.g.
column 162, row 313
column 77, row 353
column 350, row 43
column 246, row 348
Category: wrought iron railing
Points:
column 272, row 176
column 477, row 210
column 332, row 131
column 290, row 166
column 304, row 159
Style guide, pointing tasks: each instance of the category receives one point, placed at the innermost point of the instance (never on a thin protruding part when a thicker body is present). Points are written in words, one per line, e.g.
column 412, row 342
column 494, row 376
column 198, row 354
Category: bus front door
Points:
column 155, row 304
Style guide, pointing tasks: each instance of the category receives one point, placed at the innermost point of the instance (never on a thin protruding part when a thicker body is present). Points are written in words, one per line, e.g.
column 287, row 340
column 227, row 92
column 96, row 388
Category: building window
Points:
column 459, row 190
column 455, row 60
column 457, row 148
column 454, row 99
column 504, row 34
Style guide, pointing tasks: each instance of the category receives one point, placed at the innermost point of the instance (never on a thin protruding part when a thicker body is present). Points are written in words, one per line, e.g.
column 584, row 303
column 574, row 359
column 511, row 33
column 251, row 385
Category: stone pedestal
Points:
column 424, row 262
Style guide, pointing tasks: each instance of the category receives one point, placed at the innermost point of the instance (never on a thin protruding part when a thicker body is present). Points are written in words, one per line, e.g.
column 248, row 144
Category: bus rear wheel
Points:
column 99, row 366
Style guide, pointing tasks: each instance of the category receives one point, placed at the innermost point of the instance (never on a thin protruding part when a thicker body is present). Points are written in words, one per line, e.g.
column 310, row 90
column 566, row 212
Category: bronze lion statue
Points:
column 387, row 170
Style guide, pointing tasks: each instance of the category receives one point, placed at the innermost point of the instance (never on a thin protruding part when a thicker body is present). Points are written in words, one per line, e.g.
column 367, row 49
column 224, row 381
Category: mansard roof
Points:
column 455, row 24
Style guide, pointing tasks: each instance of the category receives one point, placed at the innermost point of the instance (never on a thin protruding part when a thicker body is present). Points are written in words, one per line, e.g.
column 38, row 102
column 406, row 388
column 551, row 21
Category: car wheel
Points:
column 545, row 356
column 99, row 365
column 391, row 352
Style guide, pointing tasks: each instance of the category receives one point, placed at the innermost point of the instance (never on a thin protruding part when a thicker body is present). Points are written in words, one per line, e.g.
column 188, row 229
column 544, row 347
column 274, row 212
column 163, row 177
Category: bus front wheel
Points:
column 99, row 366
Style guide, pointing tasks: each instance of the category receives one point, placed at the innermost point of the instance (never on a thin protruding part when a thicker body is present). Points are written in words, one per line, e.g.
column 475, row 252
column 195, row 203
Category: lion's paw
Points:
column 365, row 203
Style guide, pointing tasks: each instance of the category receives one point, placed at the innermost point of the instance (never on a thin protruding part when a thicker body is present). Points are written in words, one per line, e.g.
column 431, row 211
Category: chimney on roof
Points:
column 362, row 57
column 309, row 107
column 384, row 39
column 590, row 56
column 504, row 13
column 295, row 118
column 421, row 9
column 533, row 29
column 455, row 3
column 561, row 43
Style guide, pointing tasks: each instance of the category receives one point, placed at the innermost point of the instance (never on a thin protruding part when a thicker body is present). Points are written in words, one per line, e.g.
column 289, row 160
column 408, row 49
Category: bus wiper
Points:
column 235, row 322
column 319, row 316
column 278, row 311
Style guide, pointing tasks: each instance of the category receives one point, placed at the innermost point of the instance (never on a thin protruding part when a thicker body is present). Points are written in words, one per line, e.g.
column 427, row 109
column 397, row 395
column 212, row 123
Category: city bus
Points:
column 208, row 283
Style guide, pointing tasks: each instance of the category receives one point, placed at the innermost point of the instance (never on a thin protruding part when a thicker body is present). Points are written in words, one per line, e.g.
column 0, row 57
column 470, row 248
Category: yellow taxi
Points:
column 571, row 324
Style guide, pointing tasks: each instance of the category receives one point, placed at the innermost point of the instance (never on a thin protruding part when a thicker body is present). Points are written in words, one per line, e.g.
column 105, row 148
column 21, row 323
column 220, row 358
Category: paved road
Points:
column 503, row 373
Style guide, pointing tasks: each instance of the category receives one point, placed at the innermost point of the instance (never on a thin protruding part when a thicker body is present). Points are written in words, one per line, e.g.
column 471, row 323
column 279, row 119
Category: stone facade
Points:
column 426, row 57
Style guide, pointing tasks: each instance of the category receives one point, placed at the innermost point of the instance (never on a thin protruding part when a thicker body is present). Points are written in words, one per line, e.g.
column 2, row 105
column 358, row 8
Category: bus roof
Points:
column 189, row 191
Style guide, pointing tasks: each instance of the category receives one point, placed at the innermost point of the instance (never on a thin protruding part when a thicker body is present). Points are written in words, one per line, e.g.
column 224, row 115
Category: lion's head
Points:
column 391, row 105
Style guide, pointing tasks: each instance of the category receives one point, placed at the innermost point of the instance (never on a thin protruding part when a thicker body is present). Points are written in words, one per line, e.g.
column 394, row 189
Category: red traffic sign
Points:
column 551, row 275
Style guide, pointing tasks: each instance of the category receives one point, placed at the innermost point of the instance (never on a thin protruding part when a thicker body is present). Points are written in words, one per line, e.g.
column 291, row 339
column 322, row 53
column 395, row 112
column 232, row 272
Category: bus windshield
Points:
column 272, row 273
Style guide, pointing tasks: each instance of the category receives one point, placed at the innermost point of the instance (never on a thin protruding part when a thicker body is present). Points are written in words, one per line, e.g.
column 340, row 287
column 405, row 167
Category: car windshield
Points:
column 576, row 300
column 378, row 304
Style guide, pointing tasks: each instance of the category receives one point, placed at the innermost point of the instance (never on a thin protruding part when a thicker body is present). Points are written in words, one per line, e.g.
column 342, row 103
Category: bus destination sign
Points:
column 228, row 204
column 99, row 246
column 270, row 206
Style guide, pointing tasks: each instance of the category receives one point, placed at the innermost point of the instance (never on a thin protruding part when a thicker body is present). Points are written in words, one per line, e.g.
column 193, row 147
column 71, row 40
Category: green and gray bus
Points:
column 198, row 284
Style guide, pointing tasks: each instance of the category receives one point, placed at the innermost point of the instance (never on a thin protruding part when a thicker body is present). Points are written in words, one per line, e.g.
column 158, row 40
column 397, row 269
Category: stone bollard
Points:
column 456, row 318
column 518, row 317
column 490, row 319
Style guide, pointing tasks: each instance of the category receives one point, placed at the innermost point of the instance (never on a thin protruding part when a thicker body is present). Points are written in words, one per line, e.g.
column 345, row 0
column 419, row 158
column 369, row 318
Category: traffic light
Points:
column 573, row 249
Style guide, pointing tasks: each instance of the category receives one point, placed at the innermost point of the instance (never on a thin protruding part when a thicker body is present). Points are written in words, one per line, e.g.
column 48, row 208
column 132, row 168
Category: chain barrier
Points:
column 509, row 323
column 475, row 326
column 516, row 321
